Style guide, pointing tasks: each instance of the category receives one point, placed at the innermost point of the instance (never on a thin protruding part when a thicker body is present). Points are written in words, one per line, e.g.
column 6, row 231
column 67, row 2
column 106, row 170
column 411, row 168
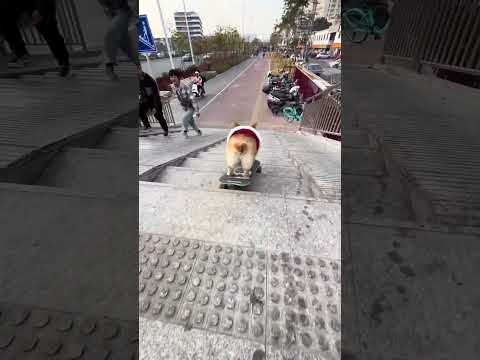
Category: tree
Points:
column 275, row 39
column 292, row 10
column 180, row 42
column 320, row 24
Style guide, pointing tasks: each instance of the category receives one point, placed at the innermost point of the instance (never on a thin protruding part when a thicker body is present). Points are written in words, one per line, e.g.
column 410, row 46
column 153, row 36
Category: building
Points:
column 332, row 10
column 329, row 40
column 317, row 7
column 194, row 23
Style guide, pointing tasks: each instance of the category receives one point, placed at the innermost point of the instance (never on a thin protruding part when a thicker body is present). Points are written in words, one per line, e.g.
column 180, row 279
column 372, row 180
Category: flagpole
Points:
column 188, row 31
column 166, row 35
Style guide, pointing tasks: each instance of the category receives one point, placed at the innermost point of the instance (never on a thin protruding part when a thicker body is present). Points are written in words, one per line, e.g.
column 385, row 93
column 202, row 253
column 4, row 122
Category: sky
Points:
column 260, row 15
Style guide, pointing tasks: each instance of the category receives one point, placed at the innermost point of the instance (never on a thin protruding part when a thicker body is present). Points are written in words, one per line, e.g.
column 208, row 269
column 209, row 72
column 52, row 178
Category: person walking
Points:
column 150, row 100
column 182, row 88
column 43, row 15
column 117, row 36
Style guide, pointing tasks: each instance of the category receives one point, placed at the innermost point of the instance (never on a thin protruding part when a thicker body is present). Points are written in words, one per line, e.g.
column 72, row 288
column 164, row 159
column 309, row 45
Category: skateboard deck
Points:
column 237, row 179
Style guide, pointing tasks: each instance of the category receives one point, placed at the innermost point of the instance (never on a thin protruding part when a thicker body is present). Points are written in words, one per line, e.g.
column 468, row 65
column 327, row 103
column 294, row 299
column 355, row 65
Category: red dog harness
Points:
column 248, row 131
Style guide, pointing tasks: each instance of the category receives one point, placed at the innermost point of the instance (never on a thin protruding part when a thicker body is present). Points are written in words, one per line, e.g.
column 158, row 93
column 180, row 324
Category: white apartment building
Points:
column 328, row 40
column 194, row 23
column 333, row 9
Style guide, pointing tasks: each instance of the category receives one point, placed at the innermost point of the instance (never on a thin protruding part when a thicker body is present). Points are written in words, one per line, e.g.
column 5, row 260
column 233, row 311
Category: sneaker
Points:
column 19, row 62
column 165, row 133
column 64, row 70
column 110, row 73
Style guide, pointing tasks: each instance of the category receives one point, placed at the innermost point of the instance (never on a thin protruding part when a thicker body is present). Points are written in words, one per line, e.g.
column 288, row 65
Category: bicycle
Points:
column 293, row 113
column 360, row 22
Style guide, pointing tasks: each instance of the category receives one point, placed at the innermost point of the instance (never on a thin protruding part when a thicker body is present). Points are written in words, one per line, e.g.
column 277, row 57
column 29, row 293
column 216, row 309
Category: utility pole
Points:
column 166, row 35
column 188, row 31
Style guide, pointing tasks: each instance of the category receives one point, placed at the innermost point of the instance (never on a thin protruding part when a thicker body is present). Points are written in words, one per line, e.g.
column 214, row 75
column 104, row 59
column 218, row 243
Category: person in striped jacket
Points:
column 182, row 88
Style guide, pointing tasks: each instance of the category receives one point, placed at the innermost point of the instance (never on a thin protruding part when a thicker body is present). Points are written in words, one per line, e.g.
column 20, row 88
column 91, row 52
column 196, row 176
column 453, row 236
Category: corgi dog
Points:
column 243, row 143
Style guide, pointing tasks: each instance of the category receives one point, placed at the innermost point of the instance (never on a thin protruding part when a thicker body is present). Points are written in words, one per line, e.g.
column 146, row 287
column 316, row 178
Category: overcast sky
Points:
column 260, row 15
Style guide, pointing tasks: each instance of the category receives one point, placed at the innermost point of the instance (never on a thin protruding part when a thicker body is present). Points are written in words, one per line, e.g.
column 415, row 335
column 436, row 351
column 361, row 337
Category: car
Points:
column 337, row 64
column 331, row 75
column 187, row 58
column 323, row 56
column 317, row 67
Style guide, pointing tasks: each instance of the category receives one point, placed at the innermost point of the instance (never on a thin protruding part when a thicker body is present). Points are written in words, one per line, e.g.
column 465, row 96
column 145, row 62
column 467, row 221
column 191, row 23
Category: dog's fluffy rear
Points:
column 241, row 149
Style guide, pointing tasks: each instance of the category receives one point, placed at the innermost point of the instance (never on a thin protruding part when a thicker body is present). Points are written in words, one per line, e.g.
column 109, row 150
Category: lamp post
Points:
column 166, row 35
column 188, row 31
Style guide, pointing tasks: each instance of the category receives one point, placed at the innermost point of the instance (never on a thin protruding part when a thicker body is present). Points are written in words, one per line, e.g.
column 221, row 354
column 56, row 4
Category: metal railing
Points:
column 323, row 113
column 167, row 113
column 443, row 34
column 68, row 22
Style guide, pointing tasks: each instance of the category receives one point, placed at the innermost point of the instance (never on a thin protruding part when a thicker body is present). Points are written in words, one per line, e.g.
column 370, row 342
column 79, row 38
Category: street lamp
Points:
column 188, row 31
column 166, row 35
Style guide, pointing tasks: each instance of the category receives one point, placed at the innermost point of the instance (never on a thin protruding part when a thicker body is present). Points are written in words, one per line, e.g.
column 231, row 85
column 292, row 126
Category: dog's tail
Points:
column 241, row 148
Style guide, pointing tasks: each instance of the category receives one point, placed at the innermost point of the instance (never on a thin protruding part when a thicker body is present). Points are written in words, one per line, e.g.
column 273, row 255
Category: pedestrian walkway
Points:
column 259, row 270
column 409, row 229
column 41, row 64
column 431, row 134
column 41, row 110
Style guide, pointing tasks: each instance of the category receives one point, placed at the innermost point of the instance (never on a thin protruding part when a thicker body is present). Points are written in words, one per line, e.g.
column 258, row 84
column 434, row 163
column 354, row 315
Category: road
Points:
column 160, row 66
column 236, row 96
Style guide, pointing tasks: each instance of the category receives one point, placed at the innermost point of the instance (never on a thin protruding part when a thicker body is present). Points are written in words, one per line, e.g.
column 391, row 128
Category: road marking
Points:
column 230, row 83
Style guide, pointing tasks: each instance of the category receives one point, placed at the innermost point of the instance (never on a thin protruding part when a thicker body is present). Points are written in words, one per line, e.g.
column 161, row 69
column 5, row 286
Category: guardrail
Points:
column 68, row 23
column 442, row 34
column 322, row 113
column 167, row 112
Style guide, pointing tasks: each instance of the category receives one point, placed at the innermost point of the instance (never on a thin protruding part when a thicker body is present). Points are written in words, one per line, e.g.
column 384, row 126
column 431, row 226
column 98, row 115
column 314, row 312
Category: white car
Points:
column 323, row 56
column 337, row 64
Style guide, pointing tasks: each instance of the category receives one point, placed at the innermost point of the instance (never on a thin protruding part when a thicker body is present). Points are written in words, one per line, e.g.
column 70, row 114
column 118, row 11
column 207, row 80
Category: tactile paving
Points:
column 290, row 303
column 303, row 304
column 36, row 333
column 203, row 285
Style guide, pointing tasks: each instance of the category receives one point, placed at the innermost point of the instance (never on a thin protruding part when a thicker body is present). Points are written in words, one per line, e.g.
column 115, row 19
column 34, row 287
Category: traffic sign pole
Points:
column 150, row 68
column 166, row 35
column 146, row 42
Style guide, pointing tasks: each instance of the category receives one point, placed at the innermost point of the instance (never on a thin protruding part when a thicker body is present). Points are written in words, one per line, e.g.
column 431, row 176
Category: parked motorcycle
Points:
column 278, row 100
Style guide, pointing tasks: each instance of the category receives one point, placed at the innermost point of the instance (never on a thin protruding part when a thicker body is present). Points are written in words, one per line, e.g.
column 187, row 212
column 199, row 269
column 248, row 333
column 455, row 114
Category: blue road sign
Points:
column 146, row 42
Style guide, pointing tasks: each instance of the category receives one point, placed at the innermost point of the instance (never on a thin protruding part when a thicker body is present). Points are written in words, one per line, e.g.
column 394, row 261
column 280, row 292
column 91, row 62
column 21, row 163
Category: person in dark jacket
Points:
column 43, row 15
column 150, row 100
column 117, row 36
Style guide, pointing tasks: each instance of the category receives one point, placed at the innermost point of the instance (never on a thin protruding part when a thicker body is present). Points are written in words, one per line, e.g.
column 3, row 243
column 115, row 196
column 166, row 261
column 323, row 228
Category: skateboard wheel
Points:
column 223, row 186
column 259, row 170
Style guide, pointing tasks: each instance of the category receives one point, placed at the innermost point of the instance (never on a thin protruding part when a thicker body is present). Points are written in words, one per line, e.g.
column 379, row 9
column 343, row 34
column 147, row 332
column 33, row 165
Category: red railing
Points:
column 323, row 107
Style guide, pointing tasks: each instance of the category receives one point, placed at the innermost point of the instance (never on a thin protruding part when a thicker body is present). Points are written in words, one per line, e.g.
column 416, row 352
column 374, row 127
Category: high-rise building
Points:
column 194, row 23
column 333, row 9
column 317, row 7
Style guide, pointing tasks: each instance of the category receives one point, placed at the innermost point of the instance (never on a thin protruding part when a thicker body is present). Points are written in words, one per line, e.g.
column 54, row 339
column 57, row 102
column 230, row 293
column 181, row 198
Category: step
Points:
column 120, row 138
column 219, row 167
column 264, row 151
column 90, row 227
column 271, row 222
column 93, row 170
column 267, row 160
column 374, row 197
column 208, row 180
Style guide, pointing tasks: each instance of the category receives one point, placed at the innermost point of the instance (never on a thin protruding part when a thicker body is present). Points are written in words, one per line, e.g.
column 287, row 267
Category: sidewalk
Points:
column 44, row 63
column 42, row 110
column 431, row 133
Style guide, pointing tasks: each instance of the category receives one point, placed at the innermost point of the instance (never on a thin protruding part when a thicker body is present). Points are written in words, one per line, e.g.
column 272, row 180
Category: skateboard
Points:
column 237, row 179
